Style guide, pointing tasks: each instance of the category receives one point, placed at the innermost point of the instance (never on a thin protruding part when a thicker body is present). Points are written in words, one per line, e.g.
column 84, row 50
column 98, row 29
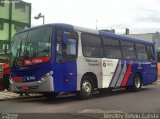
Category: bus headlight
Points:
column 47, row 75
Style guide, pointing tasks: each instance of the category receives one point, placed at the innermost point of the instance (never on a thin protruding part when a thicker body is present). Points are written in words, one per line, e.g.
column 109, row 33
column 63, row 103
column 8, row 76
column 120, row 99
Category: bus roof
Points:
column 92, row 31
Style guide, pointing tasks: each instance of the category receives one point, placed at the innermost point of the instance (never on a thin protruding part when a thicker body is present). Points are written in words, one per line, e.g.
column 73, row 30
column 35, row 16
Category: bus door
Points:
column 66, row 55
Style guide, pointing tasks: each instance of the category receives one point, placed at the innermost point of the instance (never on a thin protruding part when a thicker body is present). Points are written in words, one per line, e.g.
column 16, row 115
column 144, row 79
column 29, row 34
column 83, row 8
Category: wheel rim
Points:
column 86, row 87
column 137, row 82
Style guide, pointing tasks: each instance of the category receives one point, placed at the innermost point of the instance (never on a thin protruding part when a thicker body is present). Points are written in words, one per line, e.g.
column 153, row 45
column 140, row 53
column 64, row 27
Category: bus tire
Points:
column 86, row 88
column 137, row 84
column 105, row 90
column 50, row 95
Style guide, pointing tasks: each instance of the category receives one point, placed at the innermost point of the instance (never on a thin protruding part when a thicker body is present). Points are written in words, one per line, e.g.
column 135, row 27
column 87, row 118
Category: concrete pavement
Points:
column 7, row 95
column 4, row 95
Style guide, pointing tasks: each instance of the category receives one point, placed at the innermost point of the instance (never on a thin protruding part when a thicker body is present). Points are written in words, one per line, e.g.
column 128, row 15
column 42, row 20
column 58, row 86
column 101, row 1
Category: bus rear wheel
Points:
column 136, row 84
column 86, row 89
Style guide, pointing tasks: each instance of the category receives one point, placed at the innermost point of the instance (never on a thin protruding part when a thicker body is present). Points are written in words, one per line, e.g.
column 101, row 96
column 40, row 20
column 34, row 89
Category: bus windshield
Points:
column 31, row 47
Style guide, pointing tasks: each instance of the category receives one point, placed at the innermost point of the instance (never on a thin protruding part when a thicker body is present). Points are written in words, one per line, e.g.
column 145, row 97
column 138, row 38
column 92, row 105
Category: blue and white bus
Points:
column 56, row 58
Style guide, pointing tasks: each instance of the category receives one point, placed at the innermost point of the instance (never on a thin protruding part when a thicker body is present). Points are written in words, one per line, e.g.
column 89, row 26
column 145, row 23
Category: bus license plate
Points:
column 25, row 88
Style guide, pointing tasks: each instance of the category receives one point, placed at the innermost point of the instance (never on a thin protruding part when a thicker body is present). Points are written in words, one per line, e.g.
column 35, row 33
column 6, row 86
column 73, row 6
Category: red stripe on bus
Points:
column 126, row 76
column 16, row 79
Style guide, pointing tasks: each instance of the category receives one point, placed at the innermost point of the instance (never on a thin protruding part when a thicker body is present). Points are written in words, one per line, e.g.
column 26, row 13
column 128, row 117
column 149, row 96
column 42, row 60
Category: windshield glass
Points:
column 32, row 46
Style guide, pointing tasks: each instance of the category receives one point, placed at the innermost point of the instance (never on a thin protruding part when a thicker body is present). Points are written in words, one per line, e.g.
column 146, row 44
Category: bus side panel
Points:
column 149, row 74
column 147, row 70
column 124, row 76
column 89, row 65
column 111, row 69
column 134, row 65
column 65, row 77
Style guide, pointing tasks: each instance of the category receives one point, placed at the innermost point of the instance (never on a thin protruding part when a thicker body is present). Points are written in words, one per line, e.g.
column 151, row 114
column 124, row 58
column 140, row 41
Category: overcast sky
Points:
column 140, row 16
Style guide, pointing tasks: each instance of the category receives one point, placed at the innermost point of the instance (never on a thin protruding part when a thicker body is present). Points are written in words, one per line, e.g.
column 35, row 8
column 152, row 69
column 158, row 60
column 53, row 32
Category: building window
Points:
column 19, row 28
column 20, row 6
column 1, row 3
column 1, row 25
column 1, row 46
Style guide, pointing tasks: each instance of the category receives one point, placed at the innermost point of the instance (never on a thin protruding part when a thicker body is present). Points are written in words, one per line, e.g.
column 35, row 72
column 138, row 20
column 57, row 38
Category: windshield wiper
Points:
column 27, row 55
column 20, row 50
column 18, row 54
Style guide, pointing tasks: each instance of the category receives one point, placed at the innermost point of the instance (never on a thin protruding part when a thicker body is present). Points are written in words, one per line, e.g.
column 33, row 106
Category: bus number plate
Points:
column 25, row 88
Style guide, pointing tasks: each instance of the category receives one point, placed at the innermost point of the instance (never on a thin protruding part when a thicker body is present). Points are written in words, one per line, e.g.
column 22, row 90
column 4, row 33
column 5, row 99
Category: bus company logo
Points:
column 153, row 66
column 29, row 78
column 104, row 64
column 65, row 32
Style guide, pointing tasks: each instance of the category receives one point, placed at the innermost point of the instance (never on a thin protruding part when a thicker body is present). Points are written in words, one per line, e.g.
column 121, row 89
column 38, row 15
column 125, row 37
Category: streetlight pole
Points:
column 43, row 19
column 40, row 16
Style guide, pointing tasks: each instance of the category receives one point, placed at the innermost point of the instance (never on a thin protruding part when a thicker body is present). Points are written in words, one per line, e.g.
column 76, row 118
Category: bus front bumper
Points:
column 43, row 85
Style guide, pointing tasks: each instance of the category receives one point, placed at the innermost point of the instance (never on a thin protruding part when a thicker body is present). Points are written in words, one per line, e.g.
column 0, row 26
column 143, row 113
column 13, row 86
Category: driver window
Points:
column 71, row 46
column 66, row 51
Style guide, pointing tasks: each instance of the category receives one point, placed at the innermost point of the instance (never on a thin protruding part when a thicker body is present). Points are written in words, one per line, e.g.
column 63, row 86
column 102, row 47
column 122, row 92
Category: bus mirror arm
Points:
column 64, row 38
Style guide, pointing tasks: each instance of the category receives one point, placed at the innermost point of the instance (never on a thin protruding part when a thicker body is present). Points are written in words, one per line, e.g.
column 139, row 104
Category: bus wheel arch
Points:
column 137, row 83
column 93, row 77
column 87, row 85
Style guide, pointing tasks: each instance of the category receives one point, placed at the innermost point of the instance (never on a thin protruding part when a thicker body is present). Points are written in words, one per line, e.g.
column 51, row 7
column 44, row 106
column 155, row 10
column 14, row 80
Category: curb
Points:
column 157, row 82
column 11, row 96
column 7, row 95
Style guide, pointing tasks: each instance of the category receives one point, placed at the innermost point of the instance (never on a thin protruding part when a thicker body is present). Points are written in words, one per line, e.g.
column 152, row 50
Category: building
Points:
column 153, row 37
column 15, row 15
column 107, row 30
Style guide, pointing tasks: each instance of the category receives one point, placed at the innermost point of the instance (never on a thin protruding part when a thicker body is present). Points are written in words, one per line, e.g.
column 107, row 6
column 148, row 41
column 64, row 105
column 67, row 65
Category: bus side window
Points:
column 91, row 45
column 128, row 50
column 141, row 51
column 111, row 48
column 150, row 53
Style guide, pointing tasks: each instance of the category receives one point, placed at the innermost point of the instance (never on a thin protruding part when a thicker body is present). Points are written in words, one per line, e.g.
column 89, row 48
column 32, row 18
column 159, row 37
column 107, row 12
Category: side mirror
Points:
column 64, row 38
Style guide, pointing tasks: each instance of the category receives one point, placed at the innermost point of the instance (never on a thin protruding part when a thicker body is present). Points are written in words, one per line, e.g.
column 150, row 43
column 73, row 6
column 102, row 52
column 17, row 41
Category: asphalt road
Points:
column 147, row 100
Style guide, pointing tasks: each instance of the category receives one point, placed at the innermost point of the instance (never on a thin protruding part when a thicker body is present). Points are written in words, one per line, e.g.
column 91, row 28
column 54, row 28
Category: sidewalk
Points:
column 10, row 95
column 158, row 81
column 5, row 95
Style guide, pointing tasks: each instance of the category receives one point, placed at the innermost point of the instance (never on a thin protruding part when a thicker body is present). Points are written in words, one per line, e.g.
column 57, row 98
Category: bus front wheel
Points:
column 87, row 88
